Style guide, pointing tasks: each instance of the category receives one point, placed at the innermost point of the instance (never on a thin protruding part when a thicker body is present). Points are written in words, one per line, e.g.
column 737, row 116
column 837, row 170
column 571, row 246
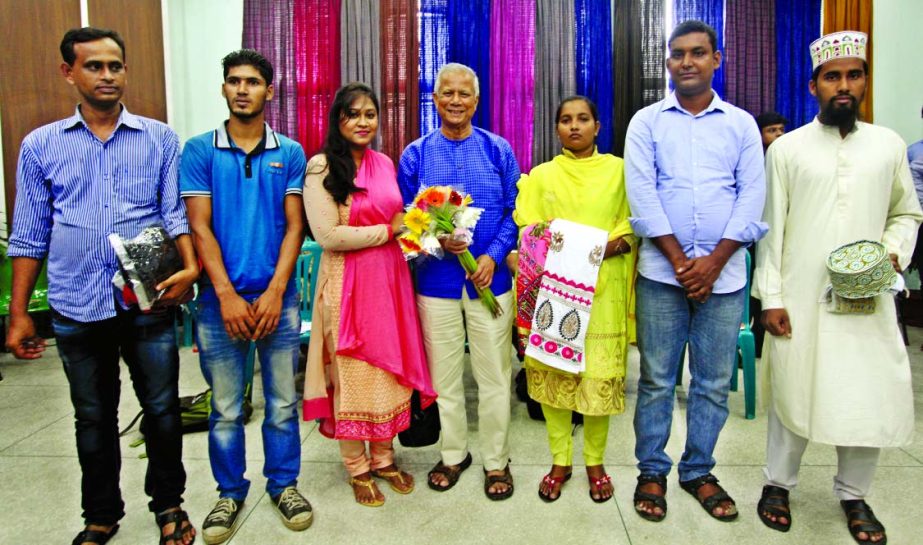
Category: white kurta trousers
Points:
column 855, row 465
column 490, row 342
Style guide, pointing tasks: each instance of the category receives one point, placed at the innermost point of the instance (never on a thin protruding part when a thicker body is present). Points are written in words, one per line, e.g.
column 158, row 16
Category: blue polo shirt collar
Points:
column 223, row 141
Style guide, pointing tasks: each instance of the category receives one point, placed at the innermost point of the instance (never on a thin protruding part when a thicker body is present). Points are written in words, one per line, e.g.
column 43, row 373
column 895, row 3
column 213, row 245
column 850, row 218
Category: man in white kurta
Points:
column 839, row 379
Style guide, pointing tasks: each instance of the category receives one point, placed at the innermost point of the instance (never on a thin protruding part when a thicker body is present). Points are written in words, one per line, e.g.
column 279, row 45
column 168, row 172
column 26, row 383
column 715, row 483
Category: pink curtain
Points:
column 317, row 61
column 750, row 55
column 512, row 75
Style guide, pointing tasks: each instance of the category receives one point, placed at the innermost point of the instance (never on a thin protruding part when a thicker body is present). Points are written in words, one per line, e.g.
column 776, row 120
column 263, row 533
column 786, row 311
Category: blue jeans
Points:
column 667, row 320
column 90, row 354
column 223, row 360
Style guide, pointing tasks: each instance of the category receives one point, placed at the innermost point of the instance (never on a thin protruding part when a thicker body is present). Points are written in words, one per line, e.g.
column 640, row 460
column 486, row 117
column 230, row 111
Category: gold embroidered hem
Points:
column 589, row 396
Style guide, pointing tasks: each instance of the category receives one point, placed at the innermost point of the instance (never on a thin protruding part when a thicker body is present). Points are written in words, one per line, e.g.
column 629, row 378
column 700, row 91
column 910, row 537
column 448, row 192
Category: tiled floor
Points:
column 40, row 498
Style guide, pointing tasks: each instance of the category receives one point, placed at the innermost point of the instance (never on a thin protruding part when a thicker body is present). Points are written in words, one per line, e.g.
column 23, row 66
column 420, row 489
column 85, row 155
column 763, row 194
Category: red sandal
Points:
column 596, row 486
column 551, row 482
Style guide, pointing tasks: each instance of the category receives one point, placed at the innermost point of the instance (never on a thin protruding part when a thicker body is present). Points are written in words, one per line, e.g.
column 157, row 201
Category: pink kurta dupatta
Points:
column 378, row 313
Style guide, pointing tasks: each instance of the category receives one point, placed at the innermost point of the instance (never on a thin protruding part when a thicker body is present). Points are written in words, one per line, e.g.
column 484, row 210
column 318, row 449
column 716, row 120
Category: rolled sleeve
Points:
column 648, row 218
column 172, row 208
column 32, row 219
column 745, row 225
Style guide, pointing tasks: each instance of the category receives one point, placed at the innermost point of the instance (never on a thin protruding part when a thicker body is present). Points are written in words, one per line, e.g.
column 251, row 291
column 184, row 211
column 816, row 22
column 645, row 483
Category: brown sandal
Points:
column 490, row 480
column 399, row 481
column 451, row 473
column 354, row 482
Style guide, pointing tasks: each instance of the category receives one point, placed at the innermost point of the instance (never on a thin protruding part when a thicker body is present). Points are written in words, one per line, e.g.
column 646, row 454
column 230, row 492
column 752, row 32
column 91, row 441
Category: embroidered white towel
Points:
column 565, row 295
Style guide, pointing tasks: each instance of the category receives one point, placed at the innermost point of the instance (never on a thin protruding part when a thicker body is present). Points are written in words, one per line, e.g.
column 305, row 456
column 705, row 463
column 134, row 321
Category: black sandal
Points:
column 490, row 480
column 95, row 536
column 857, row 511
column 658, row 500
column 177, row 517
column 450, row 473
column 711, row 502
column 774, row 502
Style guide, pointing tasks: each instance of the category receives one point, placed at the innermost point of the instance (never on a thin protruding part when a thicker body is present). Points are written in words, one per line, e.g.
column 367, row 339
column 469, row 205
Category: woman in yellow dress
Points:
column 587, row 187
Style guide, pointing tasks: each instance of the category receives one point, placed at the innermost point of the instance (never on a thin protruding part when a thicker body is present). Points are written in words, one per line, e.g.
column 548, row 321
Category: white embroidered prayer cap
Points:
column 838, row 45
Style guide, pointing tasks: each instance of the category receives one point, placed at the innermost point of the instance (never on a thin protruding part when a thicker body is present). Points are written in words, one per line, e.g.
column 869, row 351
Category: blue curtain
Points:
column 711, row 12
column 434, row 43
column 469, row 44
column 594, row 62
column 797, row 25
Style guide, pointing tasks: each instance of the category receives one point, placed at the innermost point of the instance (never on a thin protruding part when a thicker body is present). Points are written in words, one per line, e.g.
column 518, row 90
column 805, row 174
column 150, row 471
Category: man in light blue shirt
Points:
column 696, row 186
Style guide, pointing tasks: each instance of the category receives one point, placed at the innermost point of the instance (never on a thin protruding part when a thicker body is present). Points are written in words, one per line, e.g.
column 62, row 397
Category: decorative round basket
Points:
column 860, row 269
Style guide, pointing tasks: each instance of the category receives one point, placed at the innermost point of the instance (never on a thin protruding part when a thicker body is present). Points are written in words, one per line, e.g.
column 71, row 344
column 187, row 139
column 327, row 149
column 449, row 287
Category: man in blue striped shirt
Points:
column 694, row 174
column 104, row 171
column 482, row 165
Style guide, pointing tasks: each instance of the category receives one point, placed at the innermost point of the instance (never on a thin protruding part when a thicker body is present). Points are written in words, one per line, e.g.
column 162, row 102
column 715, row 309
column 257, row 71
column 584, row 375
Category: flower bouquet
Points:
column 440, row 212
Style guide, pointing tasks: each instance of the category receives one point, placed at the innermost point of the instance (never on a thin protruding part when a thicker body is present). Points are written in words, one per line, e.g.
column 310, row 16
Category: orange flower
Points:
column 435, row 197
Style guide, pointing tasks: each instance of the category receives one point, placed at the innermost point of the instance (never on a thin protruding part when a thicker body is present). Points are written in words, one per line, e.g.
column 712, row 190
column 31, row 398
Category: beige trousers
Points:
column 490, row 342
column 855, row 465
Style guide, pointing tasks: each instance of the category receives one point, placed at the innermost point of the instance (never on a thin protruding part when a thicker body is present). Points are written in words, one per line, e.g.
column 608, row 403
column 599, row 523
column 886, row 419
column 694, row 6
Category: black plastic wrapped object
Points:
column 147, row 260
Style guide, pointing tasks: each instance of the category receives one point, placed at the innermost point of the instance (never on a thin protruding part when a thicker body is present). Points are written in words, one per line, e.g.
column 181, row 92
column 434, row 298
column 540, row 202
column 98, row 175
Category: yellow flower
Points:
column 467, row 200
column 417, row 220
column 410, row 244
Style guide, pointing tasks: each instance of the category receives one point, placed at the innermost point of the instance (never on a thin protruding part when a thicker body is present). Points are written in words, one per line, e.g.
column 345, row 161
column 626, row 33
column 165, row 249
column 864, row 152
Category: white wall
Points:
column 897, row 70
column 200, row 33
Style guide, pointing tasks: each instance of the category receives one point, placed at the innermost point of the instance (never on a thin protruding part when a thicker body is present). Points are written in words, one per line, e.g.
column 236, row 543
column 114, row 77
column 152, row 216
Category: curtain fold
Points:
column 853, row 15
column 750, row 59
column 797, row 25
column 512, row 75
column 711, row 12
column 593, row 56
column 399, row 77
column 434, row 45
column 317, row 56
column 638, row 53
column 360, row 46
column 469, row 44
column 555, row 69
column 268, row 28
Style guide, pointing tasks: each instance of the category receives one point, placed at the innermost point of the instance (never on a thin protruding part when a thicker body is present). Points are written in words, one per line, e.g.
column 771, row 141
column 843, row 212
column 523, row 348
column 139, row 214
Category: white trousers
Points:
column 490, row 343
column 855, row 465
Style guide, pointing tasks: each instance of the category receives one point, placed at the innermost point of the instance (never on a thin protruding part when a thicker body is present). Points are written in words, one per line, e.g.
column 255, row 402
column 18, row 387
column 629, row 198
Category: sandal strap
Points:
column 368, row 484
column 859, row 511
column 95, row 536
column 658, row 501
column 393, row 474
column 506, row 477
column 177, row 518
column 599, row 482
column 653, row 479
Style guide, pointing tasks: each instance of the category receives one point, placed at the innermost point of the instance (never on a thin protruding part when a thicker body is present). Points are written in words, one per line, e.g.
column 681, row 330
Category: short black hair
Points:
column 87, row 34
column 694, row 25
column 590, row 104
column 766, row 119
column 816, row 72
column 248, row 57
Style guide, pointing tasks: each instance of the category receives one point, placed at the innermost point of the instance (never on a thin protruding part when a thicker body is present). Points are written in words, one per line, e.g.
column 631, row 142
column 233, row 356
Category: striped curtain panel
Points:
column 268, row 28
column 317, row 58
column 750, row 55
column 555, row 69
column 594, row 62
column 360, row 46
column 469, row 30
column 797, row 25
column 434, row 45
column 512, row 75
column 399, row 76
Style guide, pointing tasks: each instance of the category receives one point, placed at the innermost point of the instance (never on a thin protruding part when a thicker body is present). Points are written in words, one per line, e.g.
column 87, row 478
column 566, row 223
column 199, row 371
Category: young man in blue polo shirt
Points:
column 242, row 185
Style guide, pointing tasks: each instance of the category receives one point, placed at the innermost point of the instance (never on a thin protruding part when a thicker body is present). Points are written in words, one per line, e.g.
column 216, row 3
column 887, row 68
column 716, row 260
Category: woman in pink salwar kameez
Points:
column 366, row 354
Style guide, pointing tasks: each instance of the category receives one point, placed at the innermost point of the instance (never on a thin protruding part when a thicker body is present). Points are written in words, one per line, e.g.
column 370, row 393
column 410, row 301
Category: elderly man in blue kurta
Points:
column 694, row 173
column 481, row 164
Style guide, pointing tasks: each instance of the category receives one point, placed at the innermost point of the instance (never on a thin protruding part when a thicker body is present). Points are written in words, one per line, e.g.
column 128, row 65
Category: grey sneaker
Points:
column 219, row 524
column 294, row 509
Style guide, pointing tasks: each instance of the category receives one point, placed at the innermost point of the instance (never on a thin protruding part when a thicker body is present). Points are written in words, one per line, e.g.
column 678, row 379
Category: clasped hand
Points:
column 251, row 322
column 698, row 276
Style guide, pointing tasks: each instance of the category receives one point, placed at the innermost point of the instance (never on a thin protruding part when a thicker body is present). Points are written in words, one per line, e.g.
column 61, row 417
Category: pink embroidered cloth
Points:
column 378, row 313
column 533, row 249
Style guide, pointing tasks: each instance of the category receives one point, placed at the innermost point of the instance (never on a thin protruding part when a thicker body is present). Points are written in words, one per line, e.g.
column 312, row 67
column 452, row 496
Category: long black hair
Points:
column 341, row 169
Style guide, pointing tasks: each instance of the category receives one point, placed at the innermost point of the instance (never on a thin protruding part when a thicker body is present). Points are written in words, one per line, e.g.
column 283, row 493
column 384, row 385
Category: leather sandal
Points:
column 659, row 500
column 451, row 473
column 177, row 517
column 490, row 480
column 551, row 483
column 860, row 518
column 774, row 502
column 393, row 477
column 596, row 485
column 711, row 502
column 354, row 482
column 95, row 536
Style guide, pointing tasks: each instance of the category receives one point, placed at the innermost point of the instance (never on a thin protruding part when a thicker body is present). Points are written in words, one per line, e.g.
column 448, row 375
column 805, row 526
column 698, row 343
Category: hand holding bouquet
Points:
column 440, row 212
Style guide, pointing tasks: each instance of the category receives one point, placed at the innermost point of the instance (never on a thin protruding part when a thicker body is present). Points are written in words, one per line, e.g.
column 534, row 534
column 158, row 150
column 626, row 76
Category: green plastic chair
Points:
column 306, row 270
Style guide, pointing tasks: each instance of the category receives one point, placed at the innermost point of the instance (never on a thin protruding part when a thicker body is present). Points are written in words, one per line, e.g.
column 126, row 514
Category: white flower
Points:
column 467, row 218
column 431, row 245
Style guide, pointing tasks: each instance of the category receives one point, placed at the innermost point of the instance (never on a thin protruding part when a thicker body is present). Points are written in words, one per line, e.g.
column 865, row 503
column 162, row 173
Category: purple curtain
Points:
column 512, row 75
column 750, row 55
column 268, row 28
